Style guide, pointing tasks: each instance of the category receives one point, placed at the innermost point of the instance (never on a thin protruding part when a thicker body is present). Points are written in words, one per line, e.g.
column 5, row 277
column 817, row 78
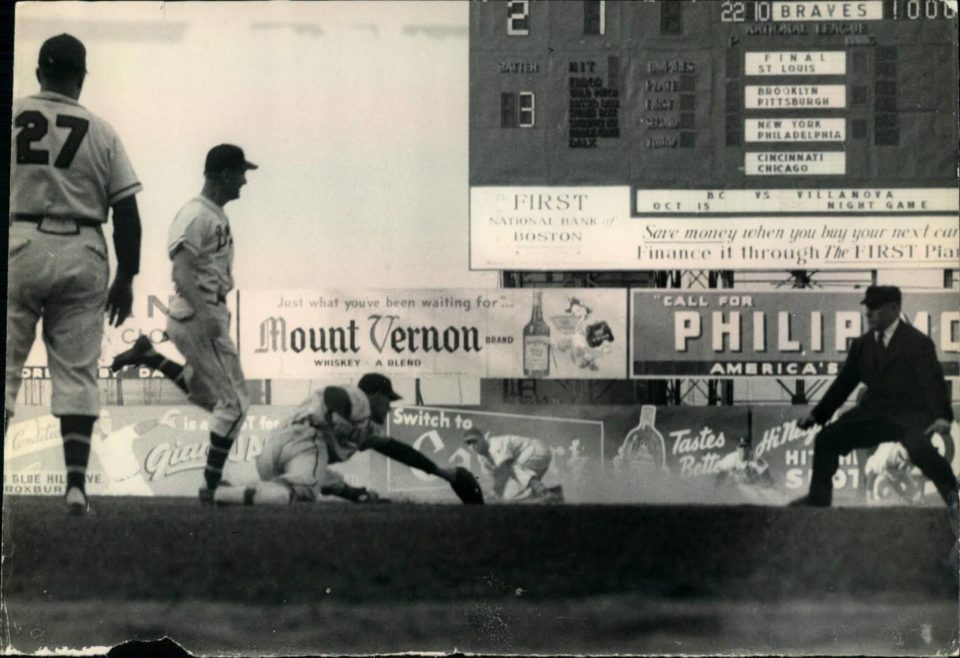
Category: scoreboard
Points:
column 679, row 94
column 725, row 108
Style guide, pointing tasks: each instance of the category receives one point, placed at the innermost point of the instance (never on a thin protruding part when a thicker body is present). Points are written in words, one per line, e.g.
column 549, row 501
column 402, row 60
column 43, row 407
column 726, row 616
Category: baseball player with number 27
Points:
column 68, row 170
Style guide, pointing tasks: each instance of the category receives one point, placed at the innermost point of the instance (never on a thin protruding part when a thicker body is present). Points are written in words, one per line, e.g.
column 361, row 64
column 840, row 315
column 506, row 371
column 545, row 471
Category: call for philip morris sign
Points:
column 769, row 333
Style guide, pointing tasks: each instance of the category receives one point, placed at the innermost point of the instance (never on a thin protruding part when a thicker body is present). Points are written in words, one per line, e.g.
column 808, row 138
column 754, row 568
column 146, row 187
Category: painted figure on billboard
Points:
column 747, row 472
column 517, row 465
column 583, row 340
column 114, row 446
column 891, row 477
column 742, row 467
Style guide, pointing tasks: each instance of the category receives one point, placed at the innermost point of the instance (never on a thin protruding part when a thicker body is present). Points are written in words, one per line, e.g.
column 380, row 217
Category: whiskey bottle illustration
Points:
column 536, row 341
column 644, row 448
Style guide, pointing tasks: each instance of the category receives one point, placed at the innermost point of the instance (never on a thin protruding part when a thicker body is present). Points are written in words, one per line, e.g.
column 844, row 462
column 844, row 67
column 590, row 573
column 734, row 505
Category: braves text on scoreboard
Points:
column 747, row 107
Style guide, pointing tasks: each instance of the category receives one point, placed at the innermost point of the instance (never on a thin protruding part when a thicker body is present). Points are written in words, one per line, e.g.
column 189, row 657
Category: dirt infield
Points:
column 344, row 578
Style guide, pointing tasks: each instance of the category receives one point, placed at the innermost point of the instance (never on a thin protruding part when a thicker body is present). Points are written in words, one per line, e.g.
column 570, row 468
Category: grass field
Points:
column 339, row 578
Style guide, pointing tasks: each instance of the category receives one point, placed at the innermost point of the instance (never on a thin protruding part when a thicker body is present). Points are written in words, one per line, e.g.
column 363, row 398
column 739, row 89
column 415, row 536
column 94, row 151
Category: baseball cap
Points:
column 226, row 156
column 372, row 383
column 63, row 54
column 743, row 442
column 880, row 295
column 472, row 434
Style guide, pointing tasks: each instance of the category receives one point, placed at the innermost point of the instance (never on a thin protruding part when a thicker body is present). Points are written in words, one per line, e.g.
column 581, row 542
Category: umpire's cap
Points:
column 63, row 54
column 880, row 295
column 226, row 156
column 372, row 383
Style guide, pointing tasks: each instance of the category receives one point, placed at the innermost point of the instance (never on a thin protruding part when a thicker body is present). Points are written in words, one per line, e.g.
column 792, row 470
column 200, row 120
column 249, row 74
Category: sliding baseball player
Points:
column 329, row 427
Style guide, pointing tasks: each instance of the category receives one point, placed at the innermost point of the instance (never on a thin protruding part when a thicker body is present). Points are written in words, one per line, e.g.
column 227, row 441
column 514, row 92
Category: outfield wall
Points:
column 599, row 454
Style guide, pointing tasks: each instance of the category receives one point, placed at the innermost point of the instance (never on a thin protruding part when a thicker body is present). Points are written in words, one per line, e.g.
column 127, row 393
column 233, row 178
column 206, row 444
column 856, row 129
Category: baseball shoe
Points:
column 353, row 494
column 370, row 496
column 206, row 495
column 134, row 356
column 77, row 504
column 806, row 501
column 554, row 494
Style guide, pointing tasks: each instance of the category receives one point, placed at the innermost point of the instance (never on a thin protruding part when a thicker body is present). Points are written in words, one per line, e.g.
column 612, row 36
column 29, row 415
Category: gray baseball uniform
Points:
column 68, row 168
column 213, row 374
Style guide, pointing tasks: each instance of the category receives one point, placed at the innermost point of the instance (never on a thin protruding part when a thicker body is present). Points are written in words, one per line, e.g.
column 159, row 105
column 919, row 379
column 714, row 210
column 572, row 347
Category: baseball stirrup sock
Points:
column 76, row 431
column 170, row 369
column 219, row 449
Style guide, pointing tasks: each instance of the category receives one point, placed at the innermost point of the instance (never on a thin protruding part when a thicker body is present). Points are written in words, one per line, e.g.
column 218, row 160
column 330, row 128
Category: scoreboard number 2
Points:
column 518, row 18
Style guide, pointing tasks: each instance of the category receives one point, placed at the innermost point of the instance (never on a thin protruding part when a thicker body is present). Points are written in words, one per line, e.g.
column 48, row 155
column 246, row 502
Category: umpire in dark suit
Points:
column 907, row 400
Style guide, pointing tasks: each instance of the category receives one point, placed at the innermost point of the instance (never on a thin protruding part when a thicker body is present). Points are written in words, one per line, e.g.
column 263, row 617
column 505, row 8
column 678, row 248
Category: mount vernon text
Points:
column 383, row 330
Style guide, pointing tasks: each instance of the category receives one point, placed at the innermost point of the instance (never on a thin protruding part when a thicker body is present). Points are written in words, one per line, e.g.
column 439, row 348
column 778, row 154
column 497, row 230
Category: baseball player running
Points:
column 68, row 169
column 201, row 248
column 517, row 465
column 329, row 427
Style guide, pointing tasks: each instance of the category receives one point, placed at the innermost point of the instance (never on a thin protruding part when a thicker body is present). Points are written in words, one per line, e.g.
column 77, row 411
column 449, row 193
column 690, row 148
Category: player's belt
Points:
column 220, row 297
column 56, row 225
